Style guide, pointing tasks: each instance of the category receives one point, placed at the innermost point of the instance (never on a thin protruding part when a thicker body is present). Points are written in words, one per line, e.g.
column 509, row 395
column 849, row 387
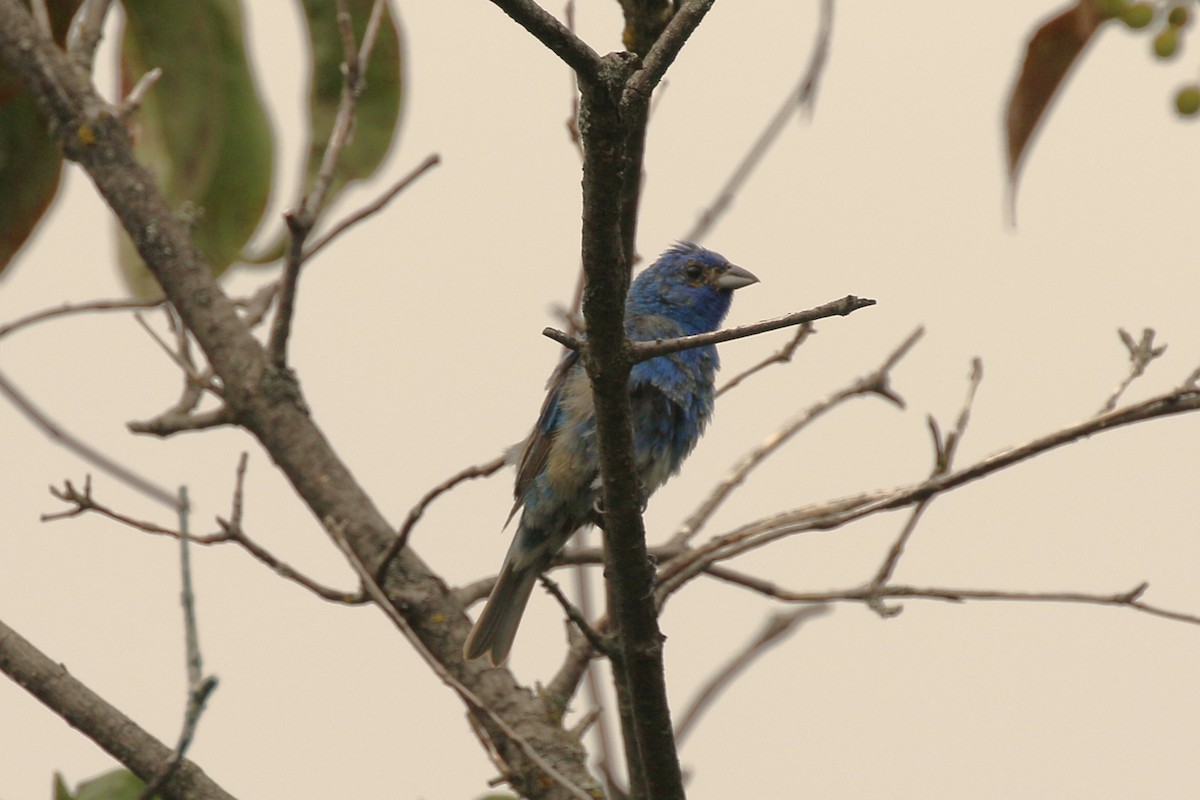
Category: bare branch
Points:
column 781, row 356
column 554, row 35
column 86, row 31
column 86, row 452
column 580, row 653
column 664, row 51
column 801, row 97
column 179, row 355
column 838, row 308
column 199, row 687
column 1129, row 599
column 836, row 513
column 133, row 101
column 943, row 460
column 779, row 626
column 67, row 309
column 380, row 598
column 373, row 207
column 875, row 383
column 41, row 14
column 644, row 351
column 301, row 221
column 282, row 569
column 401, row 541
column 178, row 420
column 87, row 712
column 1141, row 353
column 83, row 502
column 264, row 398
column 183, row 416
column 593, row 636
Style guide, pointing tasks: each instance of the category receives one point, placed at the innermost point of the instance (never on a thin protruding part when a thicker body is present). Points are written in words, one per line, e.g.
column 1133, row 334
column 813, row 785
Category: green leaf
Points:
column 30, row 163
column 378, row 111
column 61, row 792
column 120, row 784
column 202, row 128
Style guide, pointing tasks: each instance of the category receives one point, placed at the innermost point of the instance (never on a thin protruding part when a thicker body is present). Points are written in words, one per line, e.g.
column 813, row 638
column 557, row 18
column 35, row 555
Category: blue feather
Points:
column 687, row 291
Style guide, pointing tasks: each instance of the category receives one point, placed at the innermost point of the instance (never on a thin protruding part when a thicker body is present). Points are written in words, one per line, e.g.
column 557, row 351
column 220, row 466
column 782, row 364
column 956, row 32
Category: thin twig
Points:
column 76, row 308
column 867, row 595
column 800, row 97
column 89, row 713
column 84, row 451
column 414, row 515
column 83, row 502
column 1141, row 353
column 133, row 101
column 944, row 452
column 181, row 418
column 194, row 661
column 301, row 221
column 374, row 207
column 838, row 308
column 41, row 15
column 780, row 356
column 469, row 697
column 575, row 615
column 177, row 356
column 836, row 513
column 606, row 752
column 199, row 687
column 778, row 627
column 86, row 32
column 573, row 117
column 644, row 351
column 876, row 383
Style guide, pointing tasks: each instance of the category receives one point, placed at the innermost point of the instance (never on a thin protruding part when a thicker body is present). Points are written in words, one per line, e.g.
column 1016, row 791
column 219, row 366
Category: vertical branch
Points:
column 606, row 271
column 302, row 221
column 90, row 714
column 613, row 116
column 199, row 687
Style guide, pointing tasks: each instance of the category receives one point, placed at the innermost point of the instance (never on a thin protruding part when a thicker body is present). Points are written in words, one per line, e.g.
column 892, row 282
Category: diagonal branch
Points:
column 664, row 51
column 95, row 718
column 836, row 513
column 778, row 627
column 262, row 397
column 781, row 356
column 556, row 36
column 85, row 451
column 876, row 383
column 798, row 98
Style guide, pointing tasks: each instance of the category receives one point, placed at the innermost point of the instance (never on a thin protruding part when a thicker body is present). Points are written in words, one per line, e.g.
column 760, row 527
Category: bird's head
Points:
column 689, row 284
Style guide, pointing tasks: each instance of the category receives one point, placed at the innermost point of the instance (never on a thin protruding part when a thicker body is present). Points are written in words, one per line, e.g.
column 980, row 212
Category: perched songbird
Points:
column 686, row 291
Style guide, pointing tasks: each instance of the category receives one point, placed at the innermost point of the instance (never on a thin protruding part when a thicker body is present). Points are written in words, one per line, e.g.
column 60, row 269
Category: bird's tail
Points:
column 496, row 627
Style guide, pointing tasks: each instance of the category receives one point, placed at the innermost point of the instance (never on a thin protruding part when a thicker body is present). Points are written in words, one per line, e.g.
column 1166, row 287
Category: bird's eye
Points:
column 694, row 271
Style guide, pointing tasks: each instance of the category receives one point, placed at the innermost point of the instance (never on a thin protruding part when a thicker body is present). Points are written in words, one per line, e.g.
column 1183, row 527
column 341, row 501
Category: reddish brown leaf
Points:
column 1053, row 49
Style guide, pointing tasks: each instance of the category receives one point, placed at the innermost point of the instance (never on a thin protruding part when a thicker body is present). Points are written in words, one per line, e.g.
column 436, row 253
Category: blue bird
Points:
column 686, row 291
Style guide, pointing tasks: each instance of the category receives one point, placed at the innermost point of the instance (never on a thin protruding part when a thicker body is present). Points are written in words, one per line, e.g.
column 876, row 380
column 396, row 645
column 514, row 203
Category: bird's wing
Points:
column 537, row 446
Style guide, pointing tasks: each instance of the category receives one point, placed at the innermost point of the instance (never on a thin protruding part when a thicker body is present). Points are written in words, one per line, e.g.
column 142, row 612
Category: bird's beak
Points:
column 735, row 278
